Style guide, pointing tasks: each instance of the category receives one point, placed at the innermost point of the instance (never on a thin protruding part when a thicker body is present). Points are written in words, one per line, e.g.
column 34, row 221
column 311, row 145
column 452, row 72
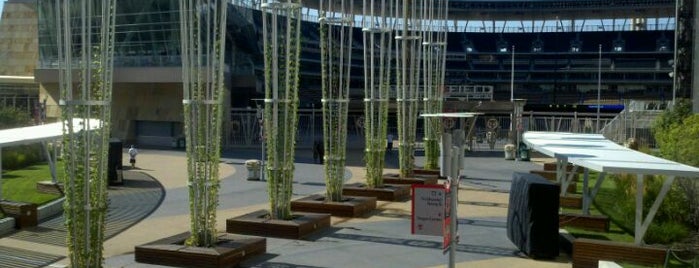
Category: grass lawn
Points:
column 603, row 201
column 20, row 185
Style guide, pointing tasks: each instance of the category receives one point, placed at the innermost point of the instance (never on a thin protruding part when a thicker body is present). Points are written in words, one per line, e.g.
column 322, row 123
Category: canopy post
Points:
column 588, row 198
column 641, row 228
column 639, row 209
column 51, row 160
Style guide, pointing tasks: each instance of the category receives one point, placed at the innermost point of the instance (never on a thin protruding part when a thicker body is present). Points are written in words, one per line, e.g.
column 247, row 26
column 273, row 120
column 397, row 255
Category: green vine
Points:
column 281, row 105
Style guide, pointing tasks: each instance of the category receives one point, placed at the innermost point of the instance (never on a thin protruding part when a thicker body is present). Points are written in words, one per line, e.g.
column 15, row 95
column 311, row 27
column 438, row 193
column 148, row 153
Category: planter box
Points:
column 389, row 192
column 391, row 179
column 588, row 253
column 25, row 214
column 7, row 225
column 587, row 222
column 259, row 223
column 48, row 187
column 228, row 252
column 352, row 206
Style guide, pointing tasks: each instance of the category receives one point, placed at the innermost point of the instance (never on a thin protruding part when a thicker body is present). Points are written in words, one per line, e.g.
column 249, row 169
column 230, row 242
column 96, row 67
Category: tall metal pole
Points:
column 599, row 84
column 512, row 76
column 674, row 53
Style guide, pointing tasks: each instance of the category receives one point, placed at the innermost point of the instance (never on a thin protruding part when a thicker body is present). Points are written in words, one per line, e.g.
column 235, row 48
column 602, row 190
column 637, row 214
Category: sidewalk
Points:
column 381, row 240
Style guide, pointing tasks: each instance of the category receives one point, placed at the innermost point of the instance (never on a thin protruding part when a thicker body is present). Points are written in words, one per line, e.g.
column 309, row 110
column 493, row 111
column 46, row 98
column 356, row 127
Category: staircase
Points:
column 635, row 121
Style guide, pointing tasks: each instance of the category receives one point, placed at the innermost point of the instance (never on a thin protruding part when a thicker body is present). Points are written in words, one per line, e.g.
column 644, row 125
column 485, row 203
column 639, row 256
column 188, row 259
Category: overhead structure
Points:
column 86, row 44
column 336, row 23
column 434, row 51
column 594, row 152
column 38, row 134
column 408, row 63
column 281, row 21
column 376, row 33
column 203, row 32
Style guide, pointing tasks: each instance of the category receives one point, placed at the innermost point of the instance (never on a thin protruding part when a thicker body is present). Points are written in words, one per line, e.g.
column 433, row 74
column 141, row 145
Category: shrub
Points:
column 11, row 117
column 21, row 156
column 666, row 232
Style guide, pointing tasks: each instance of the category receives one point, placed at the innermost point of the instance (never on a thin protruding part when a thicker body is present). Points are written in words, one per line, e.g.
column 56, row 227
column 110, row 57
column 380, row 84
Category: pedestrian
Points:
column 318, row 151
column 132, row 156
column 389, row 142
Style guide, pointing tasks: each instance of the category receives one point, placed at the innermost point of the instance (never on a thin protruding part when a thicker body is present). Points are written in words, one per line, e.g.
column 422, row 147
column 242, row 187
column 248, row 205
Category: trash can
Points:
column 253, row 167
column 509, row 151
column 523, row 152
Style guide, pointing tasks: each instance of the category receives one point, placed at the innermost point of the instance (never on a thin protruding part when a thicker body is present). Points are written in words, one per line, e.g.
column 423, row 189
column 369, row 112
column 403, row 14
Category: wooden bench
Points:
column 587, row 222
column 588, row 253
column 25, row 214
column 571, row 201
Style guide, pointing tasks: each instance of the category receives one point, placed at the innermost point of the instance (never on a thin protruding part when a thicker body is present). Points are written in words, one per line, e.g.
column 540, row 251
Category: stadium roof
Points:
column 508, row 10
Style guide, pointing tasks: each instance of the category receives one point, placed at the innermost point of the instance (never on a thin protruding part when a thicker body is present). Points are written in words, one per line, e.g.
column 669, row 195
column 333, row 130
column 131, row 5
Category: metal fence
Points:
column 244, row 127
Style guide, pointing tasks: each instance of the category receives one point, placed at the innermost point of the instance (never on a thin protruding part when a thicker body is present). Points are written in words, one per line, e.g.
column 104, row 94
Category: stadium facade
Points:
column 559, row 49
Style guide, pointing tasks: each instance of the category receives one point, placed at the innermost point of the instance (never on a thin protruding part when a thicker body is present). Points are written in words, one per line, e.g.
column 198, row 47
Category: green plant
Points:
column 666, row 232
column 377, row 73
column 18, row 157
column 281, row 33
column 86, row 113
column 203, row 45
column 11, row 117
column 336, row 58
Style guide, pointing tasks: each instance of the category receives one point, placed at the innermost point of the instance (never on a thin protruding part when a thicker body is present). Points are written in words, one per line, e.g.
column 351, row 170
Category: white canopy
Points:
column 41, row 133
column 595, row 152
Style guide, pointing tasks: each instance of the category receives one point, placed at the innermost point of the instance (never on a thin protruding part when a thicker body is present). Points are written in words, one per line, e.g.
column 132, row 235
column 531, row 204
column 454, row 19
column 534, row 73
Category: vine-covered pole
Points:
column 434, row 47
column 336, row 22
column 85, row 43
column 408, row 60
column 281, row 23
column 203, row 32
column 376, row 32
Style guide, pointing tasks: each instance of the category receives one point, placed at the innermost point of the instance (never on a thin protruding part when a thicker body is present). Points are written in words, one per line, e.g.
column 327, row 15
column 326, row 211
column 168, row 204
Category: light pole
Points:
column 599, row 84
column 674, row 53
column 512, row 76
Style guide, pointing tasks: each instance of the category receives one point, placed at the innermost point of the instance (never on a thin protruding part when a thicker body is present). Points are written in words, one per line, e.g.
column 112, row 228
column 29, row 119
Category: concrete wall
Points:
column 131, row 102
column 19, row 38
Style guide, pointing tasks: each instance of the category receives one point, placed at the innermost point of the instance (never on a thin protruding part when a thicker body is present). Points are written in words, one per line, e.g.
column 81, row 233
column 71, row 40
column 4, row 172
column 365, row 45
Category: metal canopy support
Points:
column 562, row 176
column 589, row 196
column 52, row 161
column 642, row 224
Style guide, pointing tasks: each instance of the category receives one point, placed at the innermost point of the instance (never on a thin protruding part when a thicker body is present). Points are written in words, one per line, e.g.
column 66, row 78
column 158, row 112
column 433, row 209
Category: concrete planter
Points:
column 7, row 225
column 50, row 209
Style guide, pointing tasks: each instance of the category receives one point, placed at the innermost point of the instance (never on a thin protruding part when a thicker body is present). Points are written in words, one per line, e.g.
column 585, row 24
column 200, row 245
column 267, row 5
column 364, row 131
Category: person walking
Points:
column 132, row 156
column 389, row 142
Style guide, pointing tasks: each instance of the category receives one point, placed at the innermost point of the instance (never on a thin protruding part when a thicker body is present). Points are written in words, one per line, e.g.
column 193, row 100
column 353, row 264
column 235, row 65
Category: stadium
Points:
column 555, row 54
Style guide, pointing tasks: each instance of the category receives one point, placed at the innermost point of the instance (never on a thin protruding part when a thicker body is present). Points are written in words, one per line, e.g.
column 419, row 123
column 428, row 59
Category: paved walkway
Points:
column 381, row 240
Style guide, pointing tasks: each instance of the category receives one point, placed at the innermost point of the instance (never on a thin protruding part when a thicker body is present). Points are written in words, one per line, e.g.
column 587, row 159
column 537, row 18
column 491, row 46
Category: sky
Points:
column 2, row 4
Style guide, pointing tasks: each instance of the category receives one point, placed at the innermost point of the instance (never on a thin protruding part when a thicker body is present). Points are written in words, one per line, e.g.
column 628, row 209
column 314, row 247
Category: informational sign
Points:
column 428, row 210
